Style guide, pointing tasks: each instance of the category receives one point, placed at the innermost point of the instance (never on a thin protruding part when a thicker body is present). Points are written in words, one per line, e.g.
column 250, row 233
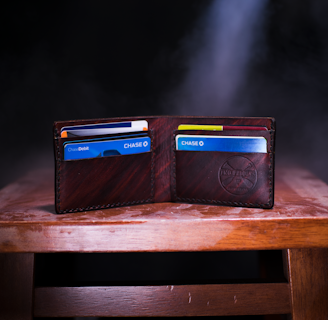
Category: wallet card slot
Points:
column 104, row 182
column 225, row 178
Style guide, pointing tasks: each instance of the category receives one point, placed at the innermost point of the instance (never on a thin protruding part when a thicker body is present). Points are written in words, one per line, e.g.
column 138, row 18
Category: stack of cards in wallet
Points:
column 104, row 128
column 122, row 138
column 243, row 144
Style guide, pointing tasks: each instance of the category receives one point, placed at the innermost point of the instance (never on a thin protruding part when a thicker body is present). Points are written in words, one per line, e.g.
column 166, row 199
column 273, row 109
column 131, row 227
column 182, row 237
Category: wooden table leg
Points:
column 16, row 286
column 307, row 272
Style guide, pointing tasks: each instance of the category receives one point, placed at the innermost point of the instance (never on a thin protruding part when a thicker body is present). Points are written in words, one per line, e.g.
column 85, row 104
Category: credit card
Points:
column 221, row 143
column 104, row 148
column 217, row 127
column 104, row 128
column 113, row 137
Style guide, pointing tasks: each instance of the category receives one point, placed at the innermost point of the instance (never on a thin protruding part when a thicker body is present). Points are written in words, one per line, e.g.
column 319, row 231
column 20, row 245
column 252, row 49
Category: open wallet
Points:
column 104, row 163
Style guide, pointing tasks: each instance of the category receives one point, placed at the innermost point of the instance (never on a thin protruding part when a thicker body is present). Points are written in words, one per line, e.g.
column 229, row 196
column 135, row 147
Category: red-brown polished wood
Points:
column 182, row 300
column 308, row 278
column 16, row 286
column 299, row 219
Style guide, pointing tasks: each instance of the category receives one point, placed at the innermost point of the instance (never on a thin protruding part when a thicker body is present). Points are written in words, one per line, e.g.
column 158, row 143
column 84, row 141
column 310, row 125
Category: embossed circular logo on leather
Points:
column 238, row 175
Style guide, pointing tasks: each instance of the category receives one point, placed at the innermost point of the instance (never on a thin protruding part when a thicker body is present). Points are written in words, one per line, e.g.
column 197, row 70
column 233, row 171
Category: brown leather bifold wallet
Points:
column 165, row 174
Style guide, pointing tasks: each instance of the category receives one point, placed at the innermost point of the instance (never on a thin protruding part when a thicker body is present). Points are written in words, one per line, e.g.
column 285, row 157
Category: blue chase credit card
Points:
column 221, row 143
column 104, row 148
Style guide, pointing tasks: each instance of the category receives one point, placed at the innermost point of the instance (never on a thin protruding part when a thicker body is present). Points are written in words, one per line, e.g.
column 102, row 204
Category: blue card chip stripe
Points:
column 99, row 126
column 111, row 125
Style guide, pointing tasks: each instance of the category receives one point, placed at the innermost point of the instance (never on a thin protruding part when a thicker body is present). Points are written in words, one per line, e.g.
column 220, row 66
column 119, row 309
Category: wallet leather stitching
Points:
column 174, row 197
column 109, row 205
column 230, row 203
column 57, row 186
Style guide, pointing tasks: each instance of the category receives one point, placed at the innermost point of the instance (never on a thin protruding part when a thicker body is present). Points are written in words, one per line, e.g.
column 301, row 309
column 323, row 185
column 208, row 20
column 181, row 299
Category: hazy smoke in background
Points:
column 224, row 76
column 111, row 58
column 219, row 58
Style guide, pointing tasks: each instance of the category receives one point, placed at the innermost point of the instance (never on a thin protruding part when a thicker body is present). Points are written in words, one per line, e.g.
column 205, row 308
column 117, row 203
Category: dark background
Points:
column 79, row 59
column 68, row 60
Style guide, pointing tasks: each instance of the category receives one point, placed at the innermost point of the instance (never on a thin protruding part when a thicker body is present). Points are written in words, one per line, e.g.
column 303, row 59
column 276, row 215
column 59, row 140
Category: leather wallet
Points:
column 165, row 174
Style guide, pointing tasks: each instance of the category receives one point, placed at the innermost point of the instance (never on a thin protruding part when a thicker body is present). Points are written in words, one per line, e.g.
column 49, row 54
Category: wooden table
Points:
column 298, row 224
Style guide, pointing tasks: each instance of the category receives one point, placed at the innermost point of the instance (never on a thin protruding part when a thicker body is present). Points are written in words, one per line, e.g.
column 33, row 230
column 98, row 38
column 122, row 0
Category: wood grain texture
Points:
column 182, row 300
column 308, row 278
column 299, row 219
column 16, row 286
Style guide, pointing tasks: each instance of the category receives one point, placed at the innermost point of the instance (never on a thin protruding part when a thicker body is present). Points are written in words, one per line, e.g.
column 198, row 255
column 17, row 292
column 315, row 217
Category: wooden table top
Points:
column 299, row 219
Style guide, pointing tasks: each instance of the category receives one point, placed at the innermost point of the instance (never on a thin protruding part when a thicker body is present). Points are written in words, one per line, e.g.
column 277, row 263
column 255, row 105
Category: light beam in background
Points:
column 219, row 57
